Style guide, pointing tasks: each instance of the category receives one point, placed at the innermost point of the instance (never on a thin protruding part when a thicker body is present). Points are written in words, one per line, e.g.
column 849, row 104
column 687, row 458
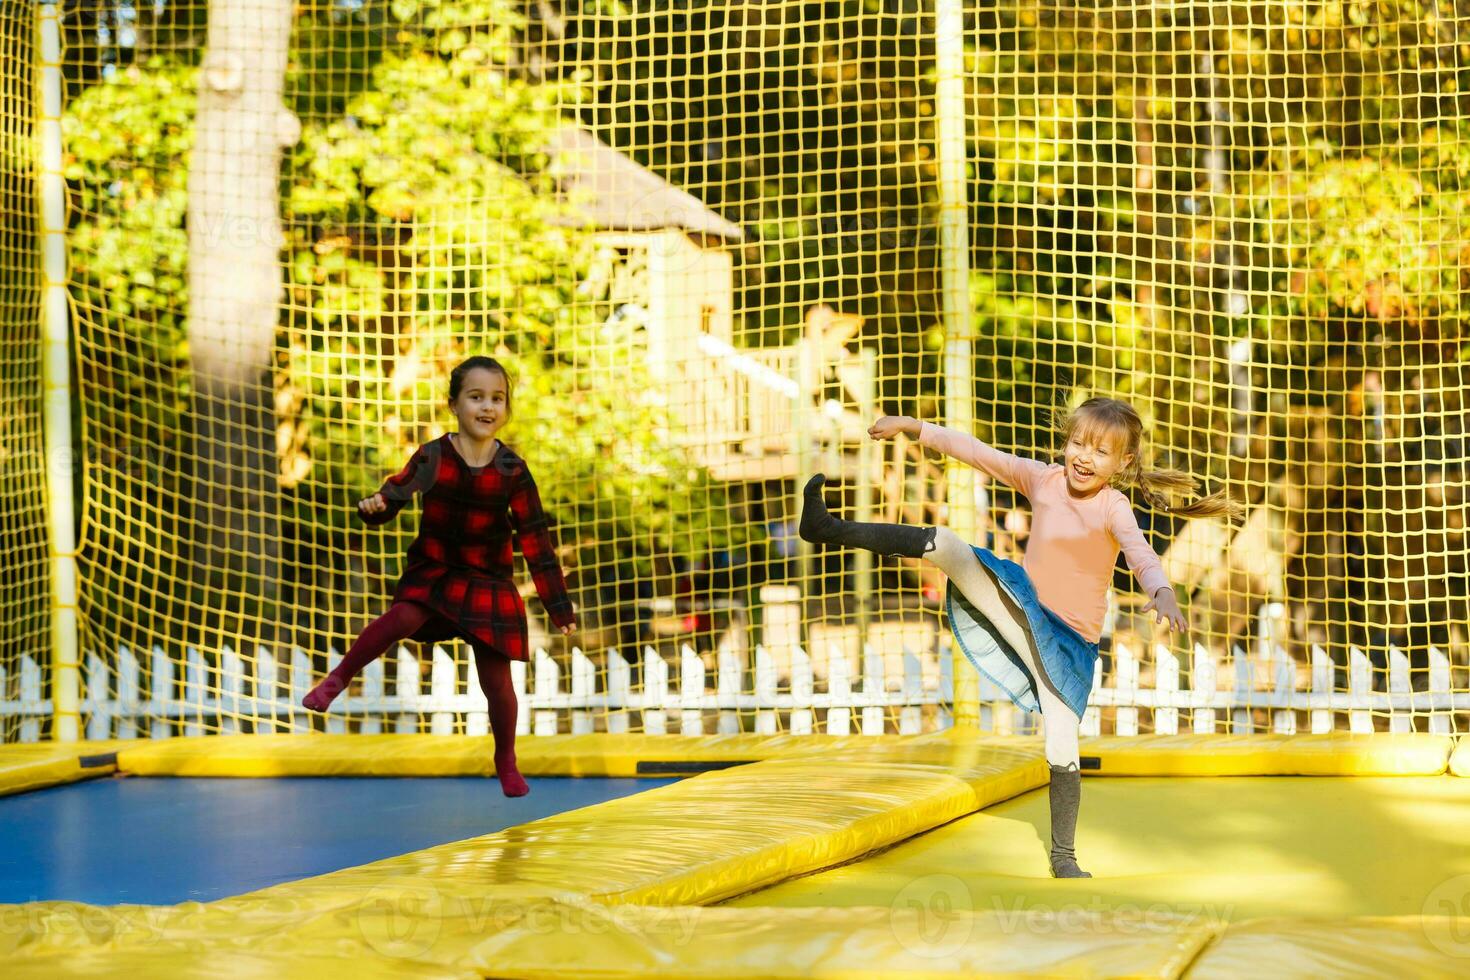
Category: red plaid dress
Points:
column 460, row 565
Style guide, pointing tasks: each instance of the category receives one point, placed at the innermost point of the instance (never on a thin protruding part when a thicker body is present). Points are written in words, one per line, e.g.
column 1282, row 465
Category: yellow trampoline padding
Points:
column 412, row 930
column 58, row 927
column 1308, row 949
column 602, row 754
column 1219, row 849
column 1333, row 754
column 614, row 890
column 213, row 960
column 835, row 944
column 29, row 766
column 716, row 835
column 270, row 756
column 1460, row 759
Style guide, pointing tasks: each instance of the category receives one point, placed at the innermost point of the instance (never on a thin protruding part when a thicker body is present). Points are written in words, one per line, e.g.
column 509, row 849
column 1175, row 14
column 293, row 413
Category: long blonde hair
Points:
column 1159, row 487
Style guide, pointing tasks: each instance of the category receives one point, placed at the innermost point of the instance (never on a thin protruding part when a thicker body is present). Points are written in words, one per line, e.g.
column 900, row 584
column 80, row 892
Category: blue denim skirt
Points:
column 1068, row 658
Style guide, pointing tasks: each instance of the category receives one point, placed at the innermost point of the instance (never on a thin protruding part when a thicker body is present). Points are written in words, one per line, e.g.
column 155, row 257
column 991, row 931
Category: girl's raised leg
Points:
column 400, row 622
column 820, row 527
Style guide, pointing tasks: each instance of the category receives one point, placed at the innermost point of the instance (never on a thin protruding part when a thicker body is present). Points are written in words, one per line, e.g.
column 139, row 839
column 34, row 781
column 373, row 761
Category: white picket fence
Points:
column 600, row 695
column 1324, row 705
column 212, row 700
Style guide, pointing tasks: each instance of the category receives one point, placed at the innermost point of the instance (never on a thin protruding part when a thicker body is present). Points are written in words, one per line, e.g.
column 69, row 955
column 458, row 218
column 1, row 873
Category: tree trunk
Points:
column 235, row 242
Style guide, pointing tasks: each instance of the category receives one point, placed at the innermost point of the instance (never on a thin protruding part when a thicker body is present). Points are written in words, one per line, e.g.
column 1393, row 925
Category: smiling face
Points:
column 483, row 405
column 1093, row 455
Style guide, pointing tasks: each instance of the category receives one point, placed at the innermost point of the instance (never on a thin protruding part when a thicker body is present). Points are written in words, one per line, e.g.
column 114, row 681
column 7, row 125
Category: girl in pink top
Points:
column 1033, row 629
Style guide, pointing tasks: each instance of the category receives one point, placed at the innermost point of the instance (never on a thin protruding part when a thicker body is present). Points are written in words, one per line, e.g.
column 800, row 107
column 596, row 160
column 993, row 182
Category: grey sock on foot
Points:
column 817, row 525
column 1065, row 792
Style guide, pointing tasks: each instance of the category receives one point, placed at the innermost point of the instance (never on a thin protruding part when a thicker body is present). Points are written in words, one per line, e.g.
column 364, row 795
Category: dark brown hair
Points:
column 1159, row 487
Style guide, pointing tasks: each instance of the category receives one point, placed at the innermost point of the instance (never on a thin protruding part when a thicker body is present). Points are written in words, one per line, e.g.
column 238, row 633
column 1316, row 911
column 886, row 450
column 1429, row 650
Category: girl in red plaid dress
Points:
column 457, row 577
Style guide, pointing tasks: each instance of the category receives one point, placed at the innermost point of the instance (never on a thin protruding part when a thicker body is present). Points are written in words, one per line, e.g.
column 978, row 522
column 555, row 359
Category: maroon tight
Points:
column 401, row 621
column 494, row 670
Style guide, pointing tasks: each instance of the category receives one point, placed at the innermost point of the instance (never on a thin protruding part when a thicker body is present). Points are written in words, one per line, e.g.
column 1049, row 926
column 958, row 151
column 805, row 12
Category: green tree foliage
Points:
column 128, row 254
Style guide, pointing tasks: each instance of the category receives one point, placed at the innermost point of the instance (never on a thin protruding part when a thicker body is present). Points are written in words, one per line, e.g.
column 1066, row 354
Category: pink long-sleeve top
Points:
column 1074, row 541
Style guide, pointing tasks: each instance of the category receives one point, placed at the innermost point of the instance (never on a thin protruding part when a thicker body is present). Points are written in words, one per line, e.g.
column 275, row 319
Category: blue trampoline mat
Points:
column 160, row 841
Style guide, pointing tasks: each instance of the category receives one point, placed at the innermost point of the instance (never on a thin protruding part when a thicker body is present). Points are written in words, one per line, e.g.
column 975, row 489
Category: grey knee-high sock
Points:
column 820, row 527
column 1066, row 795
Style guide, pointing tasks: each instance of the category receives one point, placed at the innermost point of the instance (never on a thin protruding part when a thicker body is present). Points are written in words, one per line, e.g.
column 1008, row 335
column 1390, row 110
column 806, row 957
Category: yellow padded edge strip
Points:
column 455, row 755
column 1335, row 754
column 716, row 835
column 29, row 766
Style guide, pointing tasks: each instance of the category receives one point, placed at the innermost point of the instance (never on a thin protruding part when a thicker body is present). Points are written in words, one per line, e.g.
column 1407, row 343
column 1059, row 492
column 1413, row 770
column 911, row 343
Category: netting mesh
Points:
column 25, row 597
column 705, row 239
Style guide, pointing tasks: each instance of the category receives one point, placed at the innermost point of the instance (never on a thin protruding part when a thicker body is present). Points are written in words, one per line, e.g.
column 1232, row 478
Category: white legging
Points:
column 957, row 560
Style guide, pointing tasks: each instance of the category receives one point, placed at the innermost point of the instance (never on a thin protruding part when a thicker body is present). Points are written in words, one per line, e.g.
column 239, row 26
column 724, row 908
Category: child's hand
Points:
column 889, row 426
column 569, row 628
column 1167, row 608
column 373, row 505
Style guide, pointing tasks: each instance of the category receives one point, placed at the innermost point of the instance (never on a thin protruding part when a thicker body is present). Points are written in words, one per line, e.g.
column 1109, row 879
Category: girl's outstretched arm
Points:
column 1142, row 561
column 1014, row 471
column 529, row 521
column 417, row 476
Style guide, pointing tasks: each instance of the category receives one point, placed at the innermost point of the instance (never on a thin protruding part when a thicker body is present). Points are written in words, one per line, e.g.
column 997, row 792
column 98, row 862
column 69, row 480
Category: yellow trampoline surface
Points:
column 1221, row 848
column 846, row 858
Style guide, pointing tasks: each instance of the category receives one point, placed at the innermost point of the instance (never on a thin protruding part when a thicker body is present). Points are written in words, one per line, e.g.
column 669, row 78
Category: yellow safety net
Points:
column 25, row 596
column 712, row 242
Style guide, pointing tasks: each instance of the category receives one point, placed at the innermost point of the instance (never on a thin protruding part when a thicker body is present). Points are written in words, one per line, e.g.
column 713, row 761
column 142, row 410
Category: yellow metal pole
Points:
column 65, row 662
column 954, row 245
